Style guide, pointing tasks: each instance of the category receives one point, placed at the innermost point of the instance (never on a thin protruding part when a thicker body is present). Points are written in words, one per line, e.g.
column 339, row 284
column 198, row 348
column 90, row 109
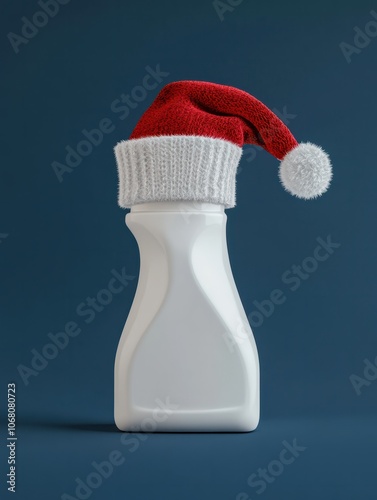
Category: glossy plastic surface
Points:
column 187, row 359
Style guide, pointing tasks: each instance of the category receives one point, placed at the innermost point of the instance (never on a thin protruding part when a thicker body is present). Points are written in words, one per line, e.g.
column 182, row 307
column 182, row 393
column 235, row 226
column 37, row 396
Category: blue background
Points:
column 60, row 241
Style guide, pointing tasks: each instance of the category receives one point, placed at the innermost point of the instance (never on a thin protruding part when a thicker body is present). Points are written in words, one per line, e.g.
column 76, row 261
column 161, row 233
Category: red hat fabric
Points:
column 188, row 144
column 212, row 110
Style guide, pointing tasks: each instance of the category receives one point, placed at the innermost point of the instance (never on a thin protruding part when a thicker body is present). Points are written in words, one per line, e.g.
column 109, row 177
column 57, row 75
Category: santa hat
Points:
column 188, row 144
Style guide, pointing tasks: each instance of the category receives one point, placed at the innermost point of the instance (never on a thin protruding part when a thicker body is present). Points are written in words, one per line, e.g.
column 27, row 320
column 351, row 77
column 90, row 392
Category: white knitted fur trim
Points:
column 177, row 167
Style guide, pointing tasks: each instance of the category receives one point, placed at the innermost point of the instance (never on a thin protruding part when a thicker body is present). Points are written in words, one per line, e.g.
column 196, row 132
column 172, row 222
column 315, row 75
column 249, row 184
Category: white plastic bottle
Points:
column 187, row 359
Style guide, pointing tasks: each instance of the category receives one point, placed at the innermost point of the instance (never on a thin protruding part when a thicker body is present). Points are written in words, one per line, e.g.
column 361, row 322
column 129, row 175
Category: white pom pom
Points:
column 306, row 171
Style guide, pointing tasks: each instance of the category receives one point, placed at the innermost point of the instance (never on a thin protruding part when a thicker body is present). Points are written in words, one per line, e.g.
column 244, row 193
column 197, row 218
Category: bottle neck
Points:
column 174, row 230
column 182, row 207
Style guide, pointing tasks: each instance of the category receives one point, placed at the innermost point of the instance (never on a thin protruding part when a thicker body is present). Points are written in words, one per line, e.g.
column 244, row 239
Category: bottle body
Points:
column 187, row 359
